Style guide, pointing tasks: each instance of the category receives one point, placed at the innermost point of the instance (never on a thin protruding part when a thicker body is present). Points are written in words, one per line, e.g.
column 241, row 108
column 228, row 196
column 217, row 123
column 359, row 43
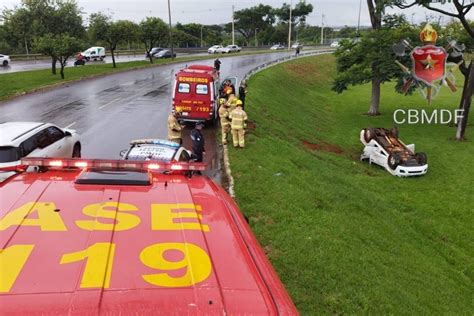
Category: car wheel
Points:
column 394, row 160
column 394, row 132
column 5, row 63
column 369, row 134
column 88, row 58
column 421, row 158
column 101, row 58
column 76, row 152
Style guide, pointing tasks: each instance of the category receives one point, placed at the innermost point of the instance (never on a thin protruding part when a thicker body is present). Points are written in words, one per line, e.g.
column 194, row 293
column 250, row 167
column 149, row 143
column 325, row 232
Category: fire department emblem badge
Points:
column 429, row 70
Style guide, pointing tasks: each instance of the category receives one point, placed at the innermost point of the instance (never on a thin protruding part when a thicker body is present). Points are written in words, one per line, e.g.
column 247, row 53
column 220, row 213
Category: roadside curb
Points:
column 227, row 169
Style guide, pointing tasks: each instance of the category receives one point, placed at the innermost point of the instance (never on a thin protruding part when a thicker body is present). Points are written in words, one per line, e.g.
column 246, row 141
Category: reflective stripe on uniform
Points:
column 238, row 117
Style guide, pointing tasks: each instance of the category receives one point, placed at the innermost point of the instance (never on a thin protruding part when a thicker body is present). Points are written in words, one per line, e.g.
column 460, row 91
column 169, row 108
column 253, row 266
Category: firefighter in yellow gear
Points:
column 232, row 102
column 238, row 125
column 174, row 128
column 225, row 121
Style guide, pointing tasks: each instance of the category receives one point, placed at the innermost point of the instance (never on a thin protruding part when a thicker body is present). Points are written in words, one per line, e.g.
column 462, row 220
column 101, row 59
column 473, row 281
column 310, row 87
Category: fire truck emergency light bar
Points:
column 112, row 164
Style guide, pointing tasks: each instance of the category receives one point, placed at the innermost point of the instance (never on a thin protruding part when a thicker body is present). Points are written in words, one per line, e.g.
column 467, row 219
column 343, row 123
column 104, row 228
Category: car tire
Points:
column 369, row 134
column 421, row 158
column 394, row 132
column 101, row 58
column 5, row 63
column 394, row 160
column 76, row 151
column 88, row 58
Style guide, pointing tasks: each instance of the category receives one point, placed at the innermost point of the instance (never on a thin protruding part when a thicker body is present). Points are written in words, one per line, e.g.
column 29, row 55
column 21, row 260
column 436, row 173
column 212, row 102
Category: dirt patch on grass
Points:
column 251, row 127
column 323, row 146
column 301, row 69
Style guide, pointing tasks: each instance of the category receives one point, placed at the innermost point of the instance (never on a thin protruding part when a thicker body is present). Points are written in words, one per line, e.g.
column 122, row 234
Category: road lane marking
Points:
column 70, row 125
column 109, row 103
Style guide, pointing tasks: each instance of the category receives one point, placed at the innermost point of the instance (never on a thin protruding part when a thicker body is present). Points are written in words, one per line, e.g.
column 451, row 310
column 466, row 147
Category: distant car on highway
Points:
column 30, row 139
column 154, row 51
column 165, row 53
column 335, row 44
column 214, row 49
column 297, row 45
column 277, row 47
column 94, row 53
column 229, row 49
column 4, row 60
column 156, row 149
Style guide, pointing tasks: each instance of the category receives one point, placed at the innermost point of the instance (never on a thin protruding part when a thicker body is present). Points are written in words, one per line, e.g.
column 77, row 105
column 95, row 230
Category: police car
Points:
column 384, row 148
column 128, row 237
column 156, row 149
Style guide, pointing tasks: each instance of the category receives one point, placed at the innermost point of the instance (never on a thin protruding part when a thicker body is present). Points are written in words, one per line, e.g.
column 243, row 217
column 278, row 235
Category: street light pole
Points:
column 256, row 44
column 233, row 39
column 289, row 26
column 201, row 35
column 322, row 30
column 171, row 31
column 358, row 21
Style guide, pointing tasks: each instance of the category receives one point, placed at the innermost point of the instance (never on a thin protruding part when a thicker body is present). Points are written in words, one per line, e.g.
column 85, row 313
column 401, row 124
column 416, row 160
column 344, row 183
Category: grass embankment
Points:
column 17, row 83
column 345, row 236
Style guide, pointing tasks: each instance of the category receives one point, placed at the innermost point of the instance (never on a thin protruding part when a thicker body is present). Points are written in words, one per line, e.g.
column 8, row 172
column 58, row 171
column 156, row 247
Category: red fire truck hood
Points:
column 178, row 246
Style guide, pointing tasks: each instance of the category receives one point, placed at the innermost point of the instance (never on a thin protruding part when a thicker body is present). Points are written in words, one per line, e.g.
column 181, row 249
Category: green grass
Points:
column 17, row 83
column 345, row 236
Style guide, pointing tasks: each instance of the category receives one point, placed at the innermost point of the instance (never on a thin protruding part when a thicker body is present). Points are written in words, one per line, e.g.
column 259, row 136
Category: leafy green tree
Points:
column 371, row 59
column 153, row 31
column 251, row 20
column 103, row 29
column 61, row 47
column 360, row 62
column 36, row 18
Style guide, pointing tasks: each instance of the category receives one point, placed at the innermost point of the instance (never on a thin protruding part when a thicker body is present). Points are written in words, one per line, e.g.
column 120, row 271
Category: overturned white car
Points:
column 383, row 148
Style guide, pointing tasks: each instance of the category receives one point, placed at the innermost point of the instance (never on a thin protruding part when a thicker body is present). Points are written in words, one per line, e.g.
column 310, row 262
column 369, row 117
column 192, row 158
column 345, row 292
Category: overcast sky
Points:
column 337, row 12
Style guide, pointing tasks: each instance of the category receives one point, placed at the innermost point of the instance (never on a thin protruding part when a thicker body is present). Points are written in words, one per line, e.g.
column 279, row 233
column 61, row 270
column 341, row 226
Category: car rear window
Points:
column 201, row 89
column 151, row 152
column 9, row 154
column 184, row 87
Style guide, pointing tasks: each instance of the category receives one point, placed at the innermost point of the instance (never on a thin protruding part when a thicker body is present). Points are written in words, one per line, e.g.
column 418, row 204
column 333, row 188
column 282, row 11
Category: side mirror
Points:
column 123, row 152
column 67, row 134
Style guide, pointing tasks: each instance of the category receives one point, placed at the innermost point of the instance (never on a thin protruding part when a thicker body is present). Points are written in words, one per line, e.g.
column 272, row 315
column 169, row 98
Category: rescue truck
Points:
column 196, row 94
column 88, row 237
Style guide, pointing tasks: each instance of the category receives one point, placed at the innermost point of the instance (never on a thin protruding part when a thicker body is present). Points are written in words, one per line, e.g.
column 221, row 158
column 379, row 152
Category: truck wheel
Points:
column 394, row 160
column 394, row 132
column 5, row 63
column 101, row 58
column 421, row 158
column 76, row 152
column 369, row 134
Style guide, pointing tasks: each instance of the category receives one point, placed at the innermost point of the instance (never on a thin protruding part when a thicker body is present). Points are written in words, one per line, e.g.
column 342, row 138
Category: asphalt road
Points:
column 110, row 111
column 25, row 65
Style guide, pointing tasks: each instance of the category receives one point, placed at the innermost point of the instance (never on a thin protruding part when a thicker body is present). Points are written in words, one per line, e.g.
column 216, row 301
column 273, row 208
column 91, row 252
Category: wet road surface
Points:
column 110, row 111
column 25, row 65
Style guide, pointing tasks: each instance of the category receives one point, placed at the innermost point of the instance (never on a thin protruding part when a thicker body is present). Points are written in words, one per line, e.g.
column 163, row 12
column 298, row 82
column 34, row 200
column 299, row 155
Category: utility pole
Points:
column 289, row 26
column 358, row 21
column 233, row 38
column 322, row 30
column 171, row 32
column 256, row 43
column 201, row 35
